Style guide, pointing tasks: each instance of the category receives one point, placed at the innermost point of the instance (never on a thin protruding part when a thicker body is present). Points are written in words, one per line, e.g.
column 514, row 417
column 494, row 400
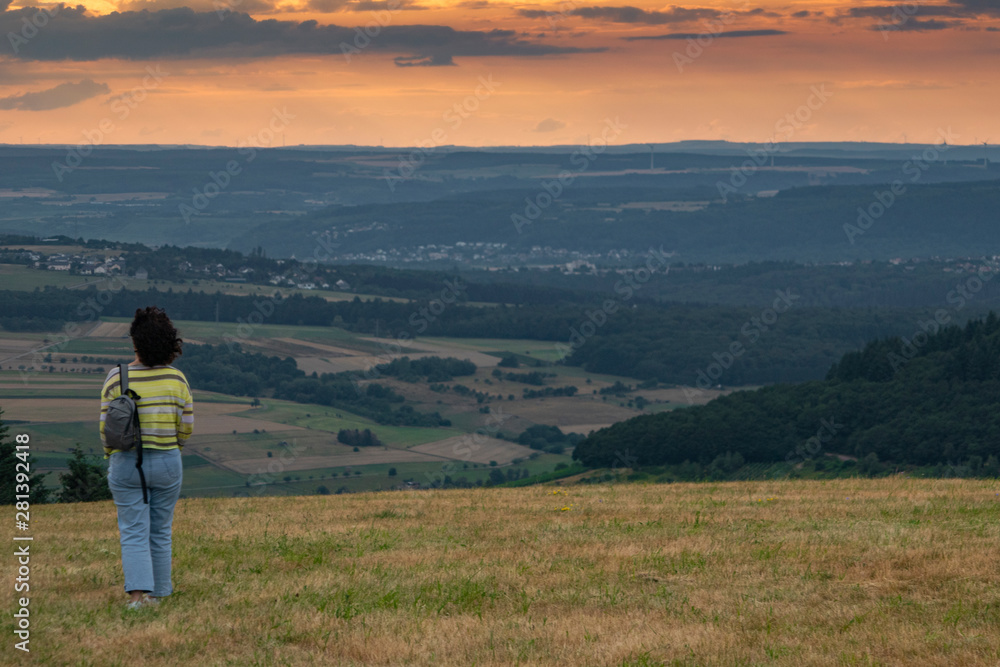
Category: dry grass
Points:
column 848, row 572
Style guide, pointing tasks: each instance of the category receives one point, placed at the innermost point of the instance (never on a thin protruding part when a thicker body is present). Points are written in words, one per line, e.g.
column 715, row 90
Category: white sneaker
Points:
column 144, row 601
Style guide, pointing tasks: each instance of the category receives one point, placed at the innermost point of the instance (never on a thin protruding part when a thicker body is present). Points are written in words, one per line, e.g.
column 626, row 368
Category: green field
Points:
column 536, row 349
column 326, row 419
column 18, row 277
column 30, row 391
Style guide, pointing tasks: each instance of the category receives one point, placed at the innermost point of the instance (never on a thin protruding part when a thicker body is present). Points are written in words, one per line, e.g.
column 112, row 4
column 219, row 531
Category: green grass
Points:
column 18, row 277
column 215, row 333
column 326, row 419
column 62, row 436
column 537, row 349
column 23, row 335
column 208, row 480
column 192, row 460
column 33, row 392
column 204, row 480
column 375, row 477
column 551, row 476
column 49, row 460
column 95, row 347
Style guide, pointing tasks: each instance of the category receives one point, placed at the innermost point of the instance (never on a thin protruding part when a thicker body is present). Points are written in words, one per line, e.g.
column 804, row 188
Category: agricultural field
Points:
column 49, row 388
column 893, row 571
column 19, row 277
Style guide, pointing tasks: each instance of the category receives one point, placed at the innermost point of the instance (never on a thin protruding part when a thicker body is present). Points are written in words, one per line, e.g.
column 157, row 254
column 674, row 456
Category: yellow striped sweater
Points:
column 166, row 410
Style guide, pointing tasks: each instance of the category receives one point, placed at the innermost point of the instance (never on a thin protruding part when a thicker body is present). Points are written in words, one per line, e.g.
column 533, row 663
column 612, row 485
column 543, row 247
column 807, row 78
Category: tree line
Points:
column 669, row 343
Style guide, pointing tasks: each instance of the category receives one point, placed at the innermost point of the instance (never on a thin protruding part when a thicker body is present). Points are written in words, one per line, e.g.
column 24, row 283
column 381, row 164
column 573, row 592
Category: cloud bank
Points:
column 184, row 33
column 63, row 95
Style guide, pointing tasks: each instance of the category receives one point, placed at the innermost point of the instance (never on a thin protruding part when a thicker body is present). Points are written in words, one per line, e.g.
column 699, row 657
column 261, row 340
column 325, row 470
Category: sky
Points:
column 497, row 72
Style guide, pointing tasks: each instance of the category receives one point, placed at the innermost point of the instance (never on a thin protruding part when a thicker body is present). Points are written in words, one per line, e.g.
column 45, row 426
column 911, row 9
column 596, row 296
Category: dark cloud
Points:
column 760, row 12
column 976, row 7
column 695, row 35
column 916, row 25
column 423, row 61
column 805, row 13
column 383, row 5
column 327, row 6
column 331, row 6
column 184, row 33
column 63, row 95
column 900, row 12
column 636, row 15
column 536, row 13
column 254, row 6
column 629, row 14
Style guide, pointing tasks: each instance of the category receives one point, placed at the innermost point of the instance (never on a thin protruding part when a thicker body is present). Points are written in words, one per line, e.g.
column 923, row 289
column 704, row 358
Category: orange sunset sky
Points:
column 557, row 71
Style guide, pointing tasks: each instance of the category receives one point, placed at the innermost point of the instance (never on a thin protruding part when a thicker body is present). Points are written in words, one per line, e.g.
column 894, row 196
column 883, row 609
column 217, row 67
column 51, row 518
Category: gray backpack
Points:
column 121, row 425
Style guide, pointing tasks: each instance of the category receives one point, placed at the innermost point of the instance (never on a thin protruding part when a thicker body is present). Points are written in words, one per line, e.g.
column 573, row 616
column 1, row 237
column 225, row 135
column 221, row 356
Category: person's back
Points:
column 166, row 420
column 166, row 414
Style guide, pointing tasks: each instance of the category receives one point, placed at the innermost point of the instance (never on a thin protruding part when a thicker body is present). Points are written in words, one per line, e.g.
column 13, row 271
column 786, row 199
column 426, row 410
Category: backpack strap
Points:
column 123, row 373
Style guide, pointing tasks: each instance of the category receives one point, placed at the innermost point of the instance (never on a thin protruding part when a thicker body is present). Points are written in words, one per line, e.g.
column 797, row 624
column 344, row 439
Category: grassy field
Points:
column 19, row 277
column 535, row 349
column 848, row 572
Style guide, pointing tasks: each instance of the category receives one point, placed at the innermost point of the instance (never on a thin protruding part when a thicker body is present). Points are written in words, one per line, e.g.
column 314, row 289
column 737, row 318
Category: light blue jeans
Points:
column 145, row 529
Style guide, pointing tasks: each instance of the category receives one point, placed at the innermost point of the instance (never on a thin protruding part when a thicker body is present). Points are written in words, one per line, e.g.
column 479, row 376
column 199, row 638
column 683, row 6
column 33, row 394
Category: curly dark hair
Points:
column 154, row 336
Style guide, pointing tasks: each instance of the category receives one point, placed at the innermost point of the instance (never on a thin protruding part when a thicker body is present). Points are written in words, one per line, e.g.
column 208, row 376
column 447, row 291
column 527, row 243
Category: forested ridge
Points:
column 922, row 400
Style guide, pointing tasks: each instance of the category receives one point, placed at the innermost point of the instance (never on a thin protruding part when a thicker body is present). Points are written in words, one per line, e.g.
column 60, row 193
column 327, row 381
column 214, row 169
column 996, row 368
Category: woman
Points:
column 166, row 418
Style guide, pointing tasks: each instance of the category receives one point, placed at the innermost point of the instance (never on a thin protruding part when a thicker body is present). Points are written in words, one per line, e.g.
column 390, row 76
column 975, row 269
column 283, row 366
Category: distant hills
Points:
column 843, row 149
column 712, row 202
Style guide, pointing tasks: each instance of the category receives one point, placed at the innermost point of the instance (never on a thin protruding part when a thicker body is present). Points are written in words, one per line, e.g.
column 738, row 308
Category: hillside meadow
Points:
column 891, row 571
